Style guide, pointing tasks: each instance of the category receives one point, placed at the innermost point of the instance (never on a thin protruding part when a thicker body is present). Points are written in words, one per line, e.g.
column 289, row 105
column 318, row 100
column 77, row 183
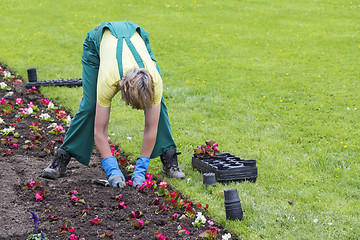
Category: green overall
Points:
column 79, row 139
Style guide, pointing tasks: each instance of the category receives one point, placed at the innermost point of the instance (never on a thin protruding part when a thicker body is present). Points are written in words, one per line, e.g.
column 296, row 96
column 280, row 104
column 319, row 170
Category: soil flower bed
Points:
column 75, row 207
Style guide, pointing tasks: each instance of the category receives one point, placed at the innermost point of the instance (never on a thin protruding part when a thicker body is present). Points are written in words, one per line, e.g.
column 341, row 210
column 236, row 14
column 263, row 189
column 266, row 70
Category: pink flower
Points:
column 59, row 128
column 206, row 207
column 72, row 230
column 30, row 105
column 175, row 215
column 148, row 176
column 14, row 145
column 18, row 80
column 122, row 205
column 3, row 100
column 173, row 194
column 162, row 237
column 141, row 222
column 62, row 112
column 117, row 198
column 45, row 101
column 38, row 197
column 149, row 182
column 74, row 198
column 210, row 222
column 18, row 101
column 163, row 184
column 129, row 183
column 95, row 221
column 73, row 237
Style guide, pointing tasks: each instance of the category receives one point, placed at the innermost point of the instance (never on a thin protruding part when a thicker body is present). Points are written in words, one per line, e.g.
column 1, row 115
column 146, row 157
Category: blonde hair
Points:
column 137, row 88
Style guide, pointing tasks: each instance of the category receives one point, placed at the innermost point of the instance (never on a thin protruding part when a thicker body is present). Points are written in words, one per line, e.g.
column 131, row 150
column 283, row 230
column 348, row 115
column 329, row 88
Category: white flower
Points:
column 226, row 236
column 2, row 120
column 44, row 116
column 53, row 125
column 6, row 131
column 30, row 110
column 3, row 85
column 316, row 220
column 68, row 120
column 200, row 218
column 7, row 74
column 51, row 105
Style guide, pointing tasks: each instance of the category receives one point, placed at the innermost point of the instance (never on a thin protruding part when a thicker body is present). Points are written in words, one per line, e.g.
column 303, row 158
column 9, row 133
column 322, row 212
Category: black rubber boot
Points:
column 170, row 164
column 58, row 167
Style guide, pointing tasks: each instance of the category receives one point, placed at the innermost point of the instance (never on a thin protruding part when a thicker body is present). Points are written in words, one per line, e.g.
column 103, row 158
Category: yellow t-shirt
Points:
column 109, row 77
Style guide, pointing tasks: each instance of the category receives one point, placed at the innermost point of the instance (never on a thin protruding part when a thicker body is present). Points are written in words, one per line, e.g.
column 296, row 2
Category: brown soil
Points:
column 21, row 166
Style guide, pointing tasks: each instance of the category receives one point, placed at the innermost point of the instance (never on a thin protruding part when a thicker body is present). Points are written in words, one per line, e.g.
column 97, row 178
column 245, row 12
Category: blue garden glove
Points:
column 111, row 167
column 138, row 177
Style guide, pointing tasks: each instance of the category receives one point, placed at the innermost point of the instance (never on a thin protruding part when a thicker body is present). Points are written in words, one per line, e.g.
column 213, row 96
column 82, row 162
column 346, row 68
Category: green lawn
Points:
column 276, row 81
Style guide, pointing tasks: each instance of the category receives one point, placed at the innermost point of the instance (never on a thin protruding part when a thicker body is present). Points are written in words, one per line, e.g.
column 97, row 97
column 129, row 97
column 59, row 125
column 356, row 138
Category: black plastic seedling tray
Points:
column 226, row 167
column 62, row 82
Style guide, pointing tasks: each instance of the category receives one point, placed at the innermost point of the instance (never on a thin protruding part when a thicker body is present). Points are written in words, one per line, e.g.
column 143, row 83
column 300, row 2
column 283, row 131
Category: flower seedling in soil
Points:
column 162, row 208
column 209, row 149
column 156, row 201
column 85, row 211
column 182, row 230
column 189, row 211
column 159, row 236
column 53, row 218
column 66, row 227
column 56, row 129
column 95, row 221
column 121, row 205
column 174, row 217
column 41, row 195
column 138, row 224
column 134, row 214
column 107, row 235
column 118, row 198
column 211, row 233
column 48, row 207
column 163, row 191
column 36, row 235
column 200, row 220
column 32, row 185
